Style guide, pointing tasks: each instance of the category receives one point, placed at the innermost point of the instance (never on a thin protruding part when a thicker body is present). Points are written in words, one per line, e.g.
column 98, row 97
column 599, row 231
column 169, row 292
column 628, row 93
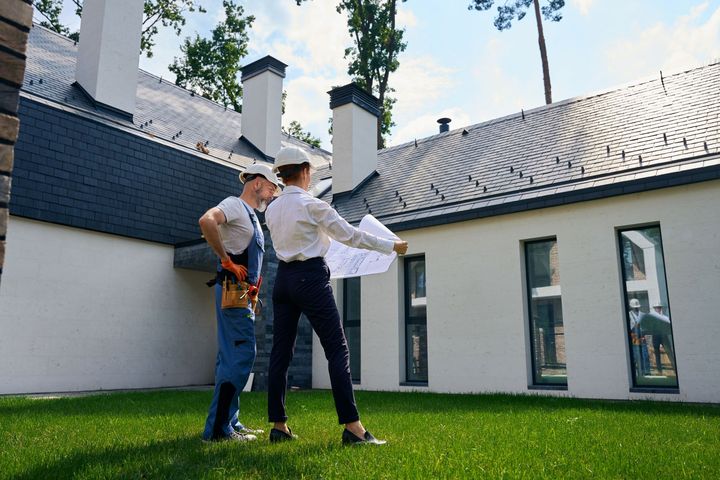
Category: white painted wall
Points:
column 262, row 111
column 477, row 319
column 354, row 146
column 109, row 51
column 81, row 310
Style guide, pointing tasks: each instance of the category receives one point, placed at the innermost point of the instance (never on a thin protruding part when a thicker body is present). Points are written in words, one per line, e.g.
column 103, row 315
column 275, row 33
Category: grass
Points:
column 157, row 435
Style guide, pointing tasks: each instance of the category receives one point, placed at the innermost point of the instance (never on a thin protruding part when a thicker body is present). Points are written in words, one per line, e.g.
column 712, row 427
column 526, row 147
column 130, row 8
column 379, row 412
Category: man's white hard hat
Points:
column 290, row 156
column 634, row 303
column 265, row 171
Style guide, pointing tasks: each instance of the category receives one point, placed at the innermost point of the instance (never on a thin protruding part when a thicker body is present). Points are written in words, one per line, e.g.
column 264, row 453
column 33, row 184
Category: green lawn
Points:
column 157, row 435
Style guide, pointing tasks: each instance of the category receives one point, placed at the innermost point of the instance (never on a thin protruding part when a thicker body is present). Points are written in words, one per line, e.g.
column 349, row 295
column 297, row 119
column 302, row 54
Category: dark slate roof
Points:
column 91, row 168
column 163, row 110
column 652, row 134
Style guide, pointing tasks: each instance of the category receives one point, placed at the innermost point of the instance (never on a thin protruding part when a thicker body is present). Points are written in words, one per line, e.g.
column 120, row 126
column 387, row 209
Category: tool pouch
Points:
column 234, row 295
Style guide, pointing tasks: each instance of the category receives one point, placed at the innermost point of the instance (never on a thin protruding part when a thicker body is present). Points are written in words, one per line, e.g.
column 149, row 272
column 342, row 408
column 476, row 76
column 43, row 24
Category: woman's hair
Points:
column 292, row 172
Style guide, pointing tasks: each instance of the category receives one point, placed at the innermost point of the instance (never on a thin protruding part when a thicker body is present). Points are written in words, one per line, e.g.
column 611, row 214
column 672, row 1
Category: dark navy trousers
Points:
column 304, row 287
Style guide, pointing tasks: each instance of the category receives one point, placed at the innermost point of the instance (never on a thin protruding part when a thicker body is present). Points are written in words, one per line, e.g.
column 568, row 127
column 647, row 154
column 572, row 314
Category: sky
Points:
column 457, row 64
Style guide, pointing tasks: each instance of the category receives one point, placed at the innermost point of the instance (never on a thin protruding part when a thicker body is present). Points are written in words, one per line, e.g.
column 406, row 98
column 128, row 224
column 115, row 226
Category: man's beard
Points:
column 262, row 205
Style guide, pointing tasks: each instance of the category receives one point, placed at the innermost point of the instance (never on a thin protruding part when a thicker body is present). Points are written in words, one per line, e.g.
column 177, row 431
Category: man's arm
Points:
column 209, row 226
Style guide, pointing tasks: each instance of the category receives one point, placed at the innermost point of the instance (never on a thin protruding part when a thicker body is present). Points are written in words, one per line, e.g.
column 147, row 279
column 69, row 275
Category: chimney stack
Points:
column 262, row 104
column 355, row 114
column 444, row 124
column 109, row 53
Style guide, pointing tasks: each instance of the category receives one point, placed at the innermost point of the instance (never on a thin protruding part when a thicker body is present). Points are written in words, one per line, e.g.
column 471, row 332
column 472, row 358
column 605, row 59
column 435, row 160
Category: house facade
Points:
column 105, row 269
column 570, row 250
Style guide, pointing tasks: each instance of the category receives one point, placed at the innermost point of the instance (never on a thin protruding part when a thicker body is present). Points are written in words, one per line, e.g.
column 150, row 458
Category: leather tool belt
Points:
column 234, row 294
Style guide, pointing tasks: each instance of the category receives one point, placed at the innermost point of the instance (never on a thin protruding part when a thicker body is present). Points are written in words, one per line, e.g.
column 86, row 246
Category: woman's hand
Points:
column 400, row 247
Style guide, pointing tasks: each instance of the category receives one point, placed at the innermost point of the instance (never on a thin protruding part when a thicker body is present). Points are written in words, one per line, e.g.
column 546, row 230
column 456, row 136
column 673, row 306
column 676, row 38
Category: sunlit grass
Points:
column 157, row 435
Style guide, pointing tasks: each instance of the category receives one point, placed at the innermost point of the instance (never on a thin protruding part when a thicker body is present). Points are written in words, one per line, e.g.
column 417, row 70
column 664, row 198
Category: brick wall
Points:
column 15, row 21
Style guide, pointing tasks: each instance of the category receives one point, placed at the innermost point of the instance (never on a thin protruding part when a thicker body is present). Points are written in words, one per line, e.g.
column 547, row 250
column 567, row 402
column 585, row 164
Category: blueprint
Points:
column 345, row 262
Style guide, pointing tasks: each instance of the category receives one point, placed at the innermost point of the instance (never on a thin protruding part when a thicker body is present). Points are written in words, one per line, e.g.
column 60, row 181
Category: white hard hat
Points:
column 290, row 156
column 657, row 304
column 260, row 169
column 634, row 303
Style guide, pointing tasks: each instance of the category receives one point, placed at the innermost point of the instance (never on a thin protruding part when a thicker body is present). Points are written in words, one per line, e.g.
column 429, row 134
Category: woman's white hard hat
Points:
column 290, row 156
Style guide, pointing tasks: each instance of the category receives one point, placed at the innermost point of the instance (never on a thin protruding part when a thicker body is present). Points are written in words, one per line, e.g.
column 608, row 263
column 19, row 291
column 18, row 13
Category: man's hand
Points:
column 238, row 270
column 400, row 247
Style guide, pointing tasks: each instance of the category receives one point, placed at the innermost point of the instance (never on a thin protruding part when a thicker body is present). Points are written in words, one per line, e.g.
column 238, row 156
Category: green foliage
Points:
column 168, row 13
column 50, row 11
column 517, row 10
column 157, row 435
column 374, row 55
column 211, row 66
column 295, row 129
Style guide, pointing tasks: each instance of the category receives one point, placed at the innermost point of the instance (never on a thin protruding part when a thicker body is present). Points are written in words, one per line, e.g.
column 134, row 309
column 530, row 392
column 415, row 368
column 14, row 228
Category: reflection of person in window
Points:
column 662, row 339
column 641, row 356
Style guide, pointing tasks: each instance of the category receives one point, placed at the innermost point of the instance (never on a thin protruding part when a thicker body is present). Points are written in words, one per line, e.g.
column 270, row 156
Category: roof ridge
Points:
column 36, row 24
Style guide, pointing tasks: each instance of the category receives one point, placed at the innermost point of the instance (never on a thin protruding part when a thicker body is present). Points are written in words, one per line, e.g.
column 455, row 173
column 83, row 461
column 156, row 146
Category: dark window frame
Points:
column 412, row 320
column 534, row 384
column 356, row 376
column 634, row 387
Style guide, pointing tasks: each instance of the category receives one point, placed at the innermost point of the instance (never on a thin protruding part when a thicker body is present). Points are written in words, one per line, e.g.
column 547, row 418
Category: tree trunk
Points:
column 543, row 54
column 380, row 141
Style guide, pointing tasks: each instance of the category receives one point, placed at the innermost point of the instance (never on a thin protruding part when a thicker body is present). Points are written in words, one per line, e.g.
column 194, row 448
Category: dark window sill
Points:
column 547, row 387
column 413, row 384
column 672, row 391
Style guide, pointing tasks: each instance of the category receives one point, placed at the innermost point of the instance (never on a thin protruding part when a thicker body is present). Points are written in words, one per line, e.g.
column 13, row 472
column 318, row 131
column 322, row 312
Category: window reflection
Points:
column 415, row 321
column 547, row 331
column 649, row 325
column 351, row 323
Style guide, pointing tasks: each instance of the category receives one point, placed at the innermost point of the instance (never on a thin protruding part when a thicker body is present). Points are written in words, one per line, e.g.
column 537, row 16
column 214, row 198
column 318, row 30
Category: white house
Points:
column 104, row 274
column 531, row 236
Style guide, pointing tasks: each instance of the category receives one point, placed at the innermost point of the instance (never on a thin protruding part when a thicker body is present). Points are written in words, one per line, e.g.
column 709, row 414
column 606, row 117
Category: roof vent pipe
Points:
column 444, row 127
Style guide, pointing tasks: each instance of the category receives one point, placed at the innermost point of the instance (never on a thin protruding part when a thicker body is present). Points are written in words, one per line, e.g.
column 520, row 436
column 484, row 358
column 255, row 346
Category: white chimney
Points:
column 355, row 116
column 261, row 123
column 109, row 52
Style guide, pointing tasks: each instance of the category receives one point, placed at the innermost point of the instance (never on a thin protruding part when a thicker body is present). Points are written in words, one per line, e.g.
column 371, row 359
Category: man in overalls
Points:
column 235, row 235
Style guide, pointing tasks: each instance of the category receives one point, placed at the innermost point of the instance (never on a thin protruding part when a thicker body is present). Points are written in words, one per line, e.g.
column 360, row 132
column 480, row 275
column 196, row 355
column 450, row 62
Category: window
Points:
column 648, row 320
column 547, row 339
column 351, row 323
column 416, row 361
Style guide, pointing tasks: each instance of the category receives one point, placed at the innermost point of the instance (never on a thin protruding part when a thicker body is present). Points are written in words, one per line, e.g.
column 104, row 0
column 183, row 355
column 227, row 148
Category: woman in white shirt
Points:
column 301, row 226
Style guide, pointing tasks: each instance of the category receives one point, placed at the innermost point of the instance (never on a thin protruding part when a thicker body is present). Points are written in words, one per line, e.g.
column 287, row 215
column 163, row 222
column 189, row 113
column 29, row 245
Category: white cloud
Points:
column 583, row 6
column 308, row 103
column 420, row 80
column 498, row 91
column 310, row 38
column 688, row 42
column 405, row 18
column 421, row 84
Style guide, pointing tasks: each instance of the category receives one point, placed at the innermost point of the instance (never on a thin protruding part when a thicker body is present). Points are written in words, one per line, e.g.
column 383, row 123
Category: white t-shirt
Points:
column 237, row 232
